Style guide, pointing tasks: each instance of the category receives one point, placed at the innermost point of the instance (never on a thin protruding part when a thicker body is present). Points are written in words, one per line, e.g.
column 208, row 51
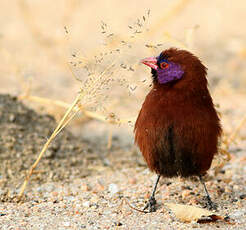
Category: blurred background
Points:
column 49, row 50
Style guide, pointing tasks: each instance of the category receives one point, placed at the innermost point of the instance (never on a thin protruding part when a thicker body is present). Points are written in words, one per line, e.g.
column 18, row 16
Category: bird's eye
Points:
column 163, row 65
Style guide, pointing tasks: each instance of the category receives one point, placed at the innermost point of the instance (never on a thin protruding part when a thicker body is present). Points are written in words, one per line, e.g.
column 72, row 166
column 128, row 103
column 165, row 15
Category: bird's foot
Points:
column 151, row 204
column 211, row 205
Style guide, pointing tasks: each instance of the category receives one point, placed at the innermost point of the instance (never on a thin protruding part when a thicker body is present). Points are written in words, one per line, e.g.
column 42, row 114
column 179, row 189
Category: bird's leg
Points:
column 211, row 205
column 152, row 202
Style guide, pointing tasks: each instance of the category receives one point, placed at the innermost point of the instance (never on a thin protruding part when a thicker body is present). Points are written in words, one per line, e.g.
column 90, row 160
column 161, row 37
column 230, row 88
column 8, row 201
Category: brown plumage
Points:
column 177, row 129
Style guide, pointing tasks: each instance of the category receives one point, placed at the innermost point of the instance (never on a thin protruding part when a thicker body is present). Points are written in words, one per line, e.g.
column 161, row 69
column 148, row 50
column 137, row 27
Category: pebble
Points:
column 11, row 117
column 113, row 188
column 147, row 195
column 86, row 204
column 236, row 187
column 84, row 187
column 242, row 196
column 98, row 188
column 54, row 193
column 69, row 198
column 67, row 224
column 50, row 188
column 185, row 193
column 193, row 201
column 132, row 181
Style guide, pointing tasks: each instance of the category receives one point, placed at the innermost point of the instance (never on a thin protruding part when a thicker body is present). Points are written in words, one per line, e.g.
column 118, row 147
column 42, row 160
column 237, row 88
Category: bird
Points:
column 178, row 128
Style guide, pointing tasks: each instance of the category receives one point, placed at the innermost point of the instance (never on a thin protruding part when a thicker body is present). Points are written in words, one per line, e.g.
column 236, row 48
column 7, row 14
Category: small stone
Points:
column 67, row 224
column 128, row 213
column 54, row 193
column 185, row 194
column 84, row 187
column 86, row 204
column 132, row 181
column 113, row 188
column 50, row 188
column 146, row 195
column 118, row 223
column 227, row 190
column 94, row 199
column 193, row 201
column 194, row 224
column 11, row 117
column 242, row 196
column 98, row 188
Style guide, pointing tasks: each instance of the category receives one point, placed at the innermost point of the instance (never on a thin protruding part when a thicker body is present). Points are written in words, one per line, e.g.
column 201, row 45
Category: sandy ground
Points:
column 81, row 185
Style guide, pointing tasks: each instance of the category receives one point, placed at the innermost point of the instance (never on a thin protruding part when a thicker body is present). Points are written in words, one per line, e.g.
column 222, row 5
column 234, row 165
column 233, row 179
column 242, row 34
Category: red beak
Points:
column 151, row 62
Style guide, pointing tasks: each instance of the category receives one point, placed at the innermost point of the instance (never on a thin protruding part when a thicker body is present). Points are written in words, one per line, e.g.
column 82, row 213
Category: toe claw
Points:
column 151, row 205
column 210, row 204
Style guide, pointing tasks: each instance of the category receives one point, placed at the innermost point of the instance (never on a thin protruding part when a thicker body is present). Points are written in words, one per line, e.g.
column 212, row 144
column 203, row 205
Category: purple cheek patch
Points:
column 171, row 73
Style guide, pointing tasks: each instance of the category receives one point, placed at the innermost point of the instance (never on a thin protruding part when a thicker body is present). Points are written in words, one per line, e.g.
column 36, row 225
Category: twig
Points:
column 134, row 208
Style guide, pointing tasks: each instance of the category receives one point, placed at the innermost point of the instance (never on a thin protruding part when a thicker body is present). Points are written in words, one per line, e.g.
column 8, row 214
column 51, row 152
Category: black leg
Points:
column 211, row 205
column 152, row 202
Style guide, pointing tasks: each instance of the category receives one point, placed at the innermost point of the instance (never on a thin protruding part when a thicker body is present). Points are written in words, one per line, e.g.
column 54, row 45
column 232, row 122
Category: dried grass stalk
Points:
column 66, row 118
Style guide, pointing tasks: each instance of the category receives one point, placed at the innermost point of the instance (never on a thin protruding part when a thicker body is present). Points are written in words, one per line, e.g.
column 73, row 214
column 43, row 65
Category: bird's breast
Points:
column 172, row 131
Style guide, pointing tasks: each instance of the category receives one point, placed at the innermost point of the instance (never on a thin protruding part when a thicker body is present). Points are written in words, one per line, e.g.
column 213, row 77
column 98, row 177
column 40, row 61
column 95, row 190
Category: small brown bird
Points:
column 177, row 129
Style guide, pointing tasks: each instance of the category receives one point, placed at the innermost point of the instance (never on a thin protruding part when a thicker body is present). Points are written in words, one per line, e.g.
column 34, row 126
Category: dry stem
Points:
column 72, row 110
column 77, row 108
column 59, row 127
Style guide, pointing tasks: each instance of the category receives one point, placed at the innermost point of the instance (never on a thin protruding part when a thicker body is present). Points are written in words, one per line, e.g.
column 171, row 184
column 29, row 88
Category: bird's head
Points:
column 173, row 65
